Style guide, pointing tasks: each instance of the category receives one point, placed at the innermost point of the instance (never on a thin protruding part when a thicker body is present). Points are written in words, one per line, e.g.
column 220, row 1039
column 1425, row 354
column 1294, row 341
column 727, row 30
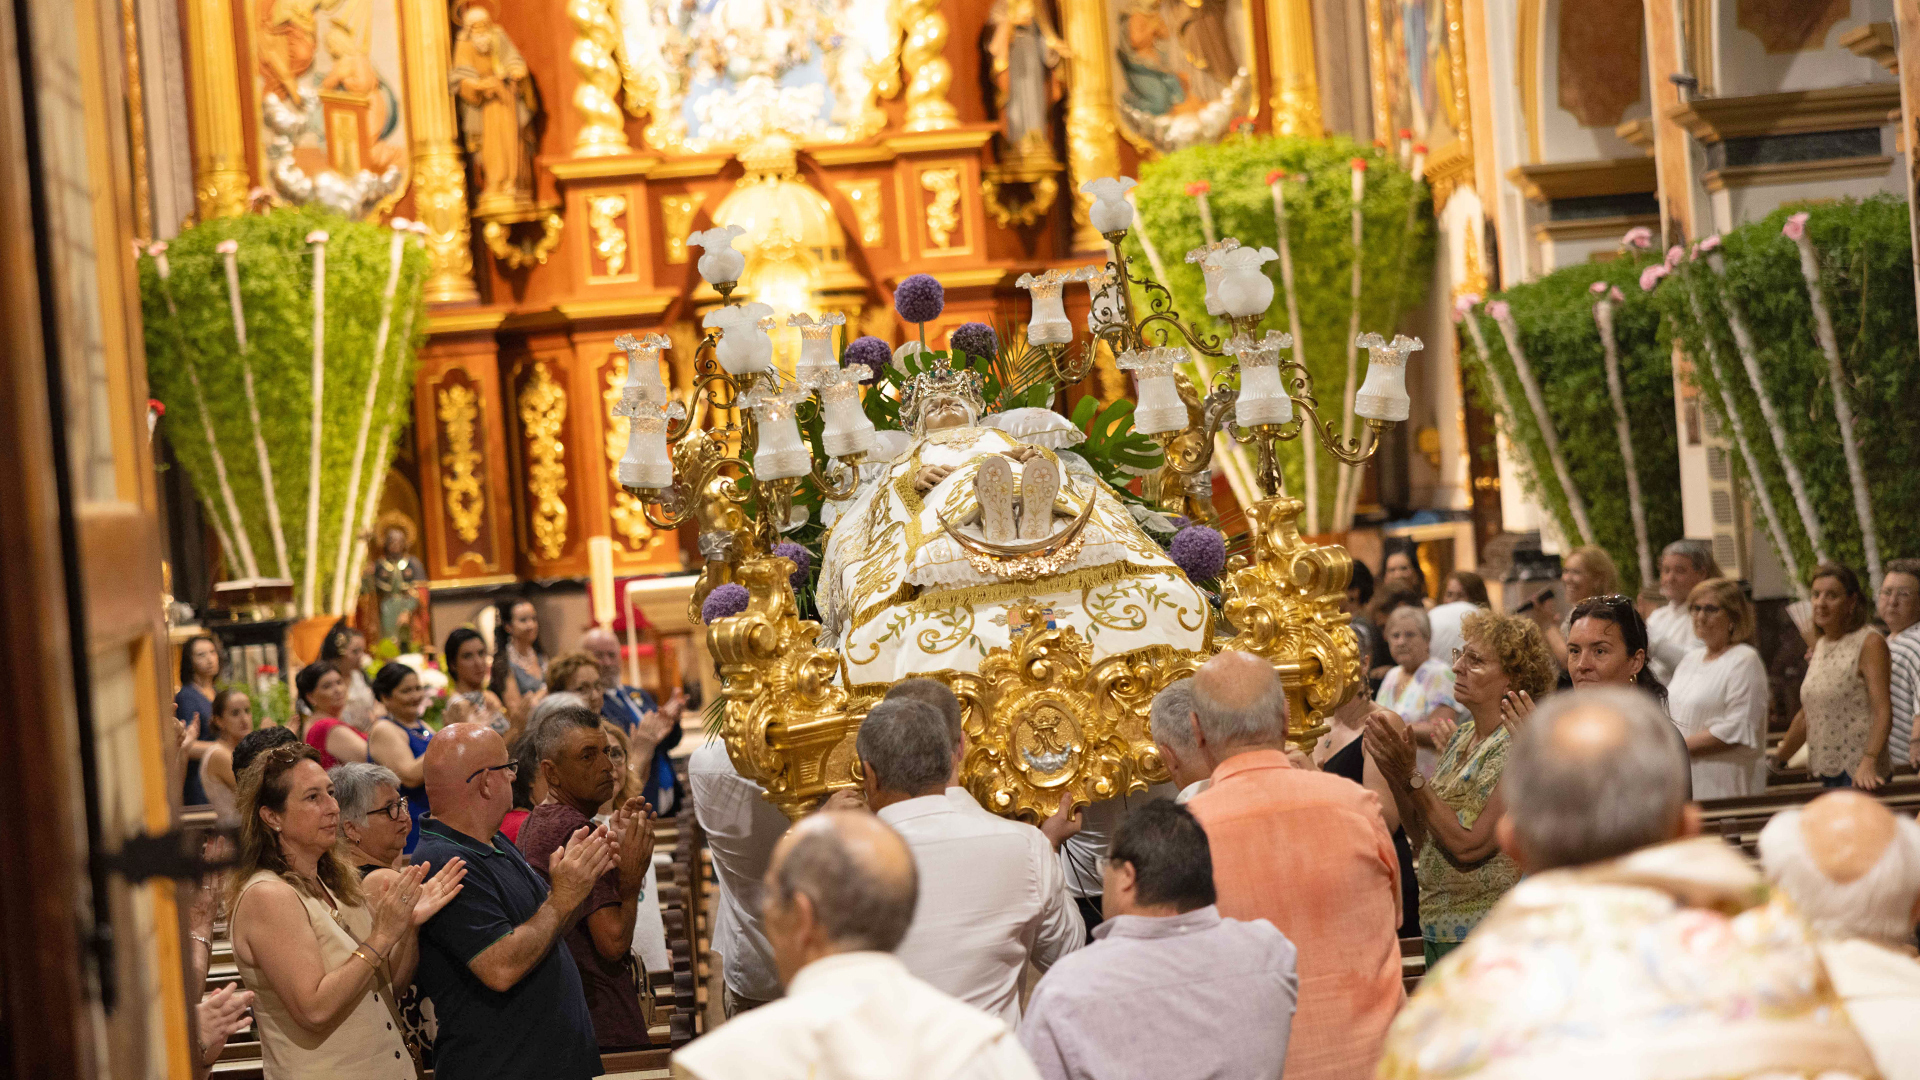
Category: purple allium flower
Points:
column 975, row 339
column 801, row 559
column 920, row 299
column 1200, row 551
column 724, row 601
column 871, row 351
column 1181, row 521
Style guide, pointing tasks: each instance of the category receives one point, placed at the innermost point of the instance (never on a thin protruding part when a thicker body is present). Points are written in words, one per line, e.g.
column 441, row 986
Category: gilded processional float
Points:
column 972, row 545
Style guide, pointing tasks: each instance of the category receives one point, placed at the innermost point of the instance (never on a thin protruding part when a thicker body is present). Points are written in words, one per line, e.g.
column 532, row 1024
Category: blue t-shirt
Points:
column 417, row 739
column 538, row 1030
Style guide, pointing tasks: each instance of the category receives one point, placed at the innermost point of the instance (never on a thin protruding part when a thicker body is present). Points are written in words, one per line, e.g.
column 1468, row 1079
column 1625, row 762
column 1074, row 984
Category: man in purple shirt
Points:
column 1169, row 987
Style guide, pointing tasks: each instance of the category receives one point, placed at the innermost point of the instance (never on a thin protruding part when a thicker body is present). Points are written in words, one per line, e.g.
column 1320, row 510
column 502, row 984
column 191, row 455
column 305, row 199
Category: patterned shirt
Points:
column 1453, row 900
column 1905, row 647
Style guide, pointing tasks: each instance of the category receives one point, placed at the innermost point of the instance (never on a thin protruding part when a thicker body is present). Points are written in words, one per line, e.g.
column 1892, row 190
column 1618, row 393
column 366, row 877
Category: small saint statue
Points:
column 393, row 591
column 498, row 107
column 1025, row 51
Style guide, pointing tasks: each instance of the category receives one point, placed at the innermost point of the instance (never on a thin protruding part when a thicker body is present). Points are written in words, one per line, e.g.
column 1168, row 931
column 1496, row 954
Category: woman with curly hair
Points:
column 1501, row 669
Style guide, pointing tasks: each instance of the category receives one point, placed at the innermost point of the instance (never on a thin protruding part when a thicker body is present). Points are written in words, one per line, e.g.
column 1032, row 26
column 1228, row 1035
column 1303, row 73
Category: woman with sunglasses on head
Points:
column 1846, row 703
column 1607, row 646
column 399, row 739
column 1719, row 695
column 321, row 954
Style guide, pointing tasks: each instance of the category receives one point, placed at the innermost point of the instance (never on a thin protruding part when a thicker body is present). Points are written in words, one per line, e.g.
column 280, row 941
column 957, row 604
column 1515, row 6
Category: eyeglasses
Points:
column 510, row 768
column 393, row 811
column 1474, row 660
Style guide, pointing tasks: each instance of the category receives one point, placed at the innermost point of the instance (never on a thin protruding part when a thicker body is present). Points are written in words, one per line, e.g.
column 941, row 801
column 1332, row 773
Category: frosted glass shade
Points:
column 1049, row 324
column 1263, row 399
column 646, row 464
column 1110, row 212
column 1383, row 396
column 1160, row 408
column 817, row 364
column 780, row 454
column 846, row 429
column 744, row 346
column 1244, row 290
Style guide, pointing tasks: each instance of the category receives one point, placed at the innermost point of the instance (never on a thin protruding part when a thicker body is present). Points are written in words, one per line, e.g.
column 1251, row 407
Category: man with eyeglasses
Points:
column 1899, row 607
column 508, row 1000
column 571, row 747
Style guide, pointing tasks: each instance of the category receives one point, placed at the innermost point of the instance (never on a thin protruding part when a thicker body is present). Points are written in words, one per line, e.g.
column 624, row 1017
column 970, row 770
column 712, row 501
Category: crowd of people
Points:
column 1520, row 791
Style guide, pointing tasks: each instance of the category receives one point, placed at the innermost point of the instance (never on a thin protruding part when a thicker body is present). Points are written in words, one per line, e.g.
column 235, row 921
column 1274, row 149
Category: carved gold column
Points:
column 1296, row 78
column 596, row 95
column 929, row 74
column 439, row 174
column 220, row 178
column 1093, row 139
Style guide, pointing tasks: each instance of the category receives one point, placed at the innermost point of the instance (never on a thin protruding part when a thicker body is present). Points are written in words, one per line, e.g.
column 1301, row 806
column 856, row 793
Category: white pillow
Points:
column 1041, row 427
column 889, row 444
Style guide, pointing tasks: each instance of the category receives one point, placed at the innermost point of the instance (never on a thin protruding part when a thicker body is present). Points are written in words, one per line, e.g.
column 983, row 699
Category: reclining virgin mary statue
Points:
column 928, row 559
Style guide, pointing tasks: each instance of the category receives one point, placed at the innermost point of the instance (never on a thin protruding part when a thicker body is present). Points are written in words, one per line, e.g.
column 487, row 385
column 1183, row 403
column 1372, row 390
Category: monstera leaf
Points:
column 242, row 419
column 1115, row 450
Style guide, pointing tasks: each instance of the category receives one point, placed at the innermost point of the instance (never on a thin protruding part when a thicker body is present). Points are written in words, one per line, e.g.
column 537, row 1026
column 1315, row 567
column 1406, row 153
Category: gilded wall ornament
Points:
column 606, row 216
column 864, row 197
column 543, row 416
column 465, row 498
column 676, row 222
column 596, row 93
column 928, row 73
column 943, row 210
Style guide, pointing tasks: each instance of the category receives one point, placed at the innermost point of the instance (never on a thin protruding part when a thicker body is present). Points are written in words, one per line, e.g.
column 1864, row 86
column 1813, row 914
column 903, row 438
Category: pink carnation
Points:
column 1638, row 237
column 1651, row 276
column 1500, row 311
column 1711, row 243
column 1796, row 226
column 1616, row 294
column 227, row 247
column 400, row 224
column 1674, row 255
column 1465, row 304
column 1597, row 288
column 317, row 236
column 157, row 248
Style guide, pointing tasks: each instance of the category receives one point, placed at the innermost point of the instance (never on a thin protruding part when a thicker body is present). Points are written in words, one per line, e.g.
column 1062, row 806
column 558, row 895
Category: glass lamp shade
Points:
column 643, row 362
column 1212, row 269
column 1244, row 290
column 1158, row 407
column 1263, row 393
column 846, row 429
column 646, row 463
column 1383, row 396
column 744, row 346
column 1049, row 325
column 720, row 263
column 1110, row 212
column 780, row 454
column 817, row 364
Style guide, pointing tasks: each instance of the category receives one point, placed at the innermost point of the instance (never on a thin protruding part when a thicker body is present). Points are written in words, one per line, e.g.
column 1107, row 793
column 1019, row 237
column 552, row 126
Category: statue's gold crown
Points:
column 941, row 381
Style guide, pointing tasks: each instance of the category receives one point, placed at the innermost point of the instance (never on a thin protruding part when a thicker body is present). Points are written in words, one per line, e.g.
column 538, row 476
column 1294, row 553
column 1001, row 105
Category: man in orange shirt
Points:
column 1308, row 852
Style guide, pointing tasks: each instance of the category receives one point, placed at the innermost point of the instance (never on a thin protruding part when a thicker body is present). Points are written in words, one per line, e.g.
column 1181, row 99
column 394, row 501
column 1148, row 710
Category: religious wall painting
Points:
column 330, row 100
column 1417, row 53
column 716, row 73
column 1183, row 70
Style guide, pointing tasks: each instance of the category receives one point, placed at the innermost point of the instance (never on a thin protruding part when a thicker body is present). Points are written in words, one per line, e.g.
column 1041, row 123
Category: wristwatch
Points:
column 1416, row 781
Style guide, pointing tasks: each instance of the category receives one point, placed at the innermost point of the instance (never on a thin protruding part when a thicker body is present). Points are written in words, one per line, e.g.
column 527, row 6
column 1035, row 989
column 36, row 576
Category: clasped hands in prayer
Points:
column 1390, row 742
column 930, row 475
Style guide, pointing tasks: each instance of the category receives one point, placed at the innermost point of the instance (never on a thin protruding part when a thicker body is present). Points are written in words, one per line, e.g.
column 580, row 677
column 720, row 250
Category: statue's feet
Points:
column 1039, row 483
column 993, row 489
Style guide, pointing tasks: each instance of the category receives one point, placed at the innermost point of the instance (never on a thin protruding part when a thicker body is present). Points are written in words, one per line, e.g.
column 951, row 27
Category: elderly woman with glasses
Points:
column 373, row 815
column 1503, row 666
column 1719, row 695
column 1419, row 687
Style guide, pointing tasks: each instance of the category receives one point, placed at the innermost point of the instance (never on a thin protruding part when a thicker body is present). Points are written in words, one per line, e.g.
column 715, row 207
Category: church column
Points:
column 439, row 173
column 928, row 72
column 220, row 178
column 1093, row 140
column 1296, row 79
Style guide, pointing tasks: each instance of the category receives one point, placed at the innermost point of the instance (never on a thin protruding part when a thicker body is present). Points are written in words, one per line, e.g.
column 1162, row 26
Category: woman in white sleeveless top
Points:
column 321, row 957
column 1846, row 704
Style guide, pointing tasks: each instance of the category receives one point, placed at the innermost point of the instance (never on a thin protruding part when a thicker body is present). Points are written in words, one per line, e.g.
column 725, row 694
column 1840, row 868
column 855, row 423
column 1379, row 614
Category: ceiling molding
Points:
column 1837, row 108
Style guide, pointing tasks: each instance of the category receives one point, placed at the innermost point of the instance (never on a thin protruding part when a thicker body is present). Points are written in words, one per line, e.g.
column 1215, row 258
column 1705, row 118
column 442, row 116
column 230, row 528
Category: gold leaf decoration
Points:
column 543, row 415
column 459, row 408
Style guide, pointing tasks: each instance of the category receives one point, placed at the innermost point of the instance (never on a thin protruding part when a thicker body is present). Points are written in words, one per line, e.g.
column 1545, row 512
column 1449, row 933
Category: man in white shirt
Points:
column 992, row 895
column 839, row 895
column 742, row 829
column 1683, row 564
column 1170, row 721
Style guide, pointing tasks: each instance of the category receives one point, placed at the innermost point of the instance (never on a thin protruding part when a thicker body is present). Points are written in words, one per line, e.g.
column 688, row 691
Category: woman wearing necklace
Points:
column 470, row 701
column 193, row 706
column 321, row 956
column 519, row 667
column 399, row 739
